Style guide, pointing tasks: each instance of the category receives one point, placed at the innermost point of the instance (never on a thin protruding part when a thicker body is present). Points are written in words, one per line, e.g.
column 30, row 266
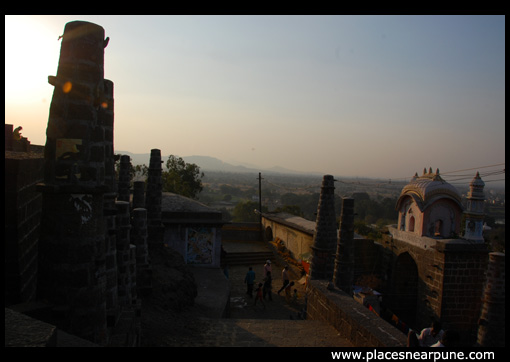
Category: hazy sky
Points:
column 376, row 96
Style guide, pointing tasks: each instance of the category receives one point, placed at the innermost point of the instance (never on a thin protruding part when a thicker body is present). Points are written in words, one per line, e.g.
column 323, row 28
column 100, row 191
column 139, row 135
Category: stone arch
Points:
column 268, row 233
column 405, row 288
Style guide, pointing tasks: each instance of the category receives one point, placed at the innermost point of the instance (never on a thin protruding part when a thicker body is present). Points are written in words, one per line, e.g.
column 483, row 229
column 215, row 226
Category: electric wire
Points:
column 450, row 176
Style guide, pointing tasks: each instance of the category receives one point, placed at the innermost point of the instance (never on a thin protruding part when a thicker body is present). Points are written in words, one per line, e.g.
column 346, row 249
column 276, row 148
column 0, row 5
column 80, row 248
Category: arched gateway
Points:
column 405, row 288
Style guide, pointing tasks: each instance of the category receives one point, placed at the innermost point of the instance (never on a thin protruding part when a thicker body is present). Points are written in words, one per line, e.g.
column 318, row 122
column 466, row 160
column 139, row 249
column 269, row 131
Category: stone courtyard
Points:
column 275, row 325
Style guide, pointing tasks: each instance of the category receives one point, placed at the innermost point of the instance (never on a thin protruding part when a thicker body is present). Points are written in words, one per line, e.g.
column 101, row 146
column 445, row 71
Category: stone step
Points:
column 268, row 332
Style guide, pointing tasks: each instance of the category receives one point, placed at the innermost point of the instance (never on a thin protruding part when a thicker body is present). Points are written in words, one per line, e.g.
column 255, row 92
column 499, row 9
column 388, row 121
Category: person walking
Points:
column 285, row 278
column 249, row 279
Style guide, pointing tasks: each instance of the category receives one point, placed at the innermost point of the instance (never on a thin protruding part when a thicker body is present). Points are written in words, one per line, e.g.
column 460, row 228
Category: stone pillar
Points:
column 123, row 253
column 124, row 178
column 139, row 239
column 139, row 194
column 491, row 330
column 153, row 199
column 106, row 119
column 344, row 261
column 72, row 253
column 324, row 240
column 133, row 294
column 111, row 293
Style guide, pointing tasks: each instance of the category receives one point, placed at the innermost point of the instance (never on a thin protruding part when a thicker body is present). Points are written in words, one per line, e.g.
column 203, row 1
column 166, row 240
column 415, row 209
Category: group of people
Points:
column 264, row 288
column 434, row 336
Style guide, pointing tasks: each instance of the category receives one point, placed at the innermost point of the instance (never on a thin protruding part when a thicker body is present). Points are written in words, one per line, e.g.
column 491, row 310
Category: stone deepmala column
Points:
column 344, row 261
column 139, row 239
column 325, row 237
column 124, row 277
column 106, row 119
column 138, row 195
column 491, row 330
column 124, row 178
column 153, row 199
column 72, row 260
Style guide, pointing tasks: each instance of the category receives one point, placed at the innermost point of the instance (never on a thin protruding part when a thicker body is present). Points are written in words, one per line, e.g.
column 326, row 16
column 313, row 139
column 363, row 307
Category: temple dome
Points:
column 427, row 188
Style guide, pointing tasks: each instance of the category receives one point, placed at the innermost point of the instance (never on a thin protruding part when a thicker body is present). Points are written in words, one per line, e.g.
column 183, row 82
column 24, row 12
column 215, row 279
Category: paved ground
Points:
column 277, row 323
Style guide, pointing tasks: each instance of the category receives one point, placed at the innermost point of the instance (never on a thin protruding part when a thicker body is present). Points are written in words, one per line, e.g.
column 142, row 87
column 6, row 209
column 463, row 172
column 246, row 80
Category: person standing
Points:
column 285, row 278
column 267, row 267
column 432, row 335
column 427, row 337
column 249, row 279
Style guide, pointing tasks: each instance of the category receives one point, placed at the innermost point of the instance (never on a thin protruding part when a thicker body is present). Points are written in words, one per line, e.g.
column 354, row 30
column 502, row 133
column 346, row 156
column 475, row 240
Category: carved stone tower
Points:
column 325, row 237
column 72, row 257
column 344, row 261
column 153, row 198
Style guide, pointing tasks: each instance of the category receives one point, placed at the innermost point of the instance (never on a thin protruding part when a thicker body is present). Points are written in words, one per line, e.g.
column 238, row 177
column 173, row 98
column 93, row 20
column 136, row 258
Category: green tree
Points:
column 182, row 178
column 244, row 211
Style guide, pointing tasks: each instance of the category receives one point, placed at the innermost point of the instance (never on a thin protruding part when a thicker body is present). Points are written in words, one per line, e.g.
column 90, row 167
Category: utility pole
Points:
column 260, row 198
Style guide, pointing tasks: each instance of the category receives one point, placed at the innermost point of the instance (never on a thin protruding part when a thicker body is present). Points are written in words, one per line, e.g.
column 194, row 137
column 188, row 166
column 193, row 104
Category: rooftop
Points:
column 427, row 188
column 177, row 209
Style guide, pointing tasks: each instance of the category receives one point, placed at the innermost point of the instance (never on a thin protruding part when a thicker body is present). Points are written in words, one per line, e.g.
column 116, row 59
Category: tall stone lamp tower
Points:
column 325, row 237
column 72, row 250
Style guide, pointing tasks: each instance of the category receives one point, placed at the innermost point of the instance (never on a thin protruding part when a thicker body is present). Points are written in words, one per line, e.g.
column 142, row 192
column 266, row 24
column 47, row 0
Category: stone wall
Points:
column 297, row 242
column 492, row 318
column 22, row 224
column 351, row 319
column 464, row 275
column 295, row 232
column 241, row 231
column 450, row 277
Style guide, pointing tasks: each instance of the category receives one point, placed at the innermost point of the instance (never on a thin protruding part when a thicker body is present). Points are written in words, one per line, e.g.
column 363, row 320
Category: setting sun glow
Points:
column 35, row 57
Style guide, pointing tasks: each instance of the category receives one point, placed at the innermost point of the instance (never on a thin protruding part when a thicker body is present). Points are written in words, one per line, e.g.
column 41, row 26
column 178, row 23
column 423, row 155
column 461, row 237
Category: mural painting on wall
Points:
column 199, row 245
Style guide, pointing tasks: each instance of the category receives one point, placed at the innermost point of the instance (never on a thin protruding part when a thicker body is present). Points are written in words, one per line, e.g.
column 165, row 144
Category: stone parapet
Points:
column 351, row 319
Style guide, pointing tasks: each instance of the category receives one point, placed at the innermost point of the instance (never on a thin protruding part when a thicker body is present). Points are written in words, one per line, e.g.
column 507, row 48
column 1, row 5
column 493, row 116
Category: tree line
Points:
column 178, row 177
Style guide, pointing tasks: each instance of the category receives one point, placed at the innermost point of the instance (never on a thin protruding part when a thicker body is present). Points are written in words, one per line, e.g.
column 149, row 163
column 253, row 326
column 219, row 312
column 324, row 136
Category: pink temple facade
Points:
column 430, row 206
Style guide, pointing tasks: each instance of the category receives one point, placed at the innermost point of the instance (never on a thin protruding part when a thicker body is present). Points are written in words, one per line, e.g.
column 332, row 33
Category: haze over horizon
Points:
column 359, row 96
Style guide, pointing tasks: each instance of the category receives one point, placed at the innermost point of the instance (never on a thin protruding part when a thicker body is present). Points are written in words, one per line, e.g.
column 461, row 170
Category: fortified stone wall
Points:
column 22, row 224
column 449, row 280
column 492, row 318
column 351, row 319
column 465, row 267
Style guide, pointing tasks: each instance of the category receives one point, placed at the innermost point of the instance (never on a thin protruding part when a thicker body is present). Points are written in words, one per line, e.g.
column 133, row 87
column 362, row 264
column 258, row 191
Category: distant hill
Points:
column 207, row 163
